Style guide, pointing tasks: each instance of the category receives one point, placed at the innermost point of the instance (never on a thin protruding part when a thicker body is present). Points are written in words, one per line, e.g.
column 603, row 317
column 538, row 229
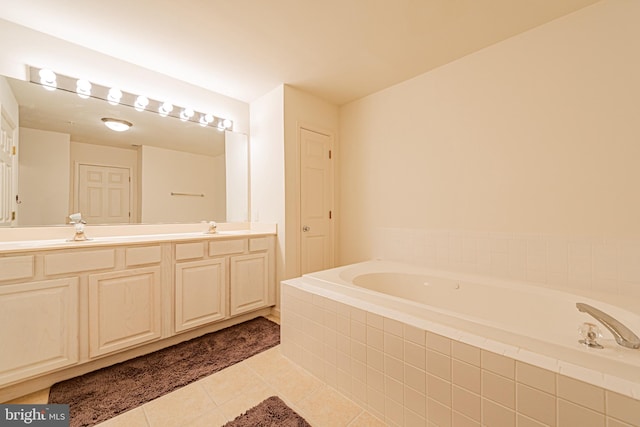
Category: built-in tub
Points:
column 530, row 324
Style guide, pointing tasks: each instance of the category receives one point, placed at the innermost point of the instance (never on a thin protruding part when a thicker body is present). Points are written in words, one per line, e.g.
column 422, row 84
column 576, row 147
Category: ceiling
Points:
column 339, row 50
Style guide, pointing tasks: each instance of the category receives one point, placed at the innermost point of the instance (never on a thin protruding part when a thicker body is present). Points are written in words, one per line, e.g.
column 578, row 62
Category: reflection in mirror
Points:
column 161, row 170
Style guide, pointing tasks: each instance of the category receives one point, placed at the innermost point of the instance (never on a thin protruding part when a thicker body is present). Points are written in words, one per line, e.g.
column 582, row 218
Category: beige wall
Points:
column 236, row 151
column 166, row 171
column 537, row 134
column 48, row 161
column 8, row 101
column 267, row 175
column 275, row 193
column 44, row 175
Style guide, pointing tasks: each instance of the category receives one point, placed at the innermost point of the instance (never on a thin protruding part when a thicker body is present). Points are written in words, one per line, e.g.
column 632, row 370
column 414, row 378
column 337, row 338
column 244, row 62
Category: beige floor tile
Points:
column 36, row 398
column 179, row 407
column 329, row 408
column 365, row 419
column 132, row 418
column 273, row 318
column 269, row 362
column 213, row 418
column 223, row 396
column 231, row 382
column 242, row 403
column 294, row 384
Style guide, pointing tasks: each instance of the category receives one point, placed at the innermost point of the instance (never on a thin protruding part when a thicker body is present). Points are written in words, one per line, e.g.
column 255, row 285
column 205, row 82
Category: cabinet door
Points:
column 200, row 293
column 39, row 330
column 249, row 282
column 124, row 309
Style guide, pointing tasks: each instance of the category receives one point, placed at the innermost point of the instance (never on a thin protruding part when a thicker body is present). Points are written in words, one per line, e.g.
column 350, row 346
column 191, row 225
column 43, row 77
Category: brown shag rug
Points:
column 272, row 412
column 107, row 392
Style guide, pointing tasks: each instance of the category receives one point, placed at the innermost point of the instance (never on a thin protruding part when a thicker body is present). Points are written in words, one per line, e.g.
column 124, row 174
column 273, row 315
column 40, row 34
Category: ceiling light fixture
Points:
column 205, row 119
column 141, row 103
column 85, row 89
column 186, row 114
column 48, row 79
column 165, row 109
column 114, row 96
column 116, row 124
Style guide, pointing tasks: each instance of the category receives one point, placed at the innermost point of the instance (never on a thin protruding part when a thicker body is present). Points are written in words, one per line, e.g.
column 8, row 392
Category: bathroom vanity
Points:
column 67, row 308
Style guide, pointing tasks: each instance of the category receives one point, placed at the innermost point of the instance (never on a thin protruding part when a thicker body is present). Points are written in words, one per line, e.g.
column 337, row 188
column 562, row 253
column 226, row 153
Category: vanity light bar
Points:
column 85, row 89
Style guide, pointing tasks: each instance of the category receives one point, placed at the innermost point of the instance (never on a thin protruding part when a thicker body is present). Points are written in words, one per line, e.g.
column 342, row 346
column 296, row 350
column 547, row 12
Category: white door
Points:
column 316, row 201
column 104, row 194
column 8, row 172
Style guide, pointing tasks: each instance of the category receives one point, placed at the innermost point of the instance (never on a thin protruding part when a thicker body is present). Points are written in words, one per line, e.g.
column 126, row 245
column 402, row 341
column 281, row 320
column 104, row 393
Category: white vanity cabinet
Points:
column 200, row 287
column 250, row 275
column 69, row 308
column 39, row 327
column 124, row 309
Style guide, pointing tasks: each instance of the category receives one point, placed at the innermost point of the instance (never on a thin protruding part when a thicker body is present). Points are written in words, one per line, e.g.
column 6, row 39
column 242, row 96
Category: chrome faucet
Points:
column 623, row 335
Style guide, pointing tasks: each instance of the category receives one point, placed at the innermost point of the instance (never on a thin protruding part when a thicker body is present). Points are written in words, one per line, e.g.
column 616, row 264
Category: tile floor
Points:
column 220, row 397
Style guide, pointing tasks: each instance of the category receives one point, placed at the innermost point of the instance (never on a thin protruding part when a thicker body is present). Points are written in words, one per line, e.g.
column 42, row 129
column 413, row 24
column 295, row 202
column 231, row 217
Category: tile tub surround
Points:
column 409, row 376
column 588, row 263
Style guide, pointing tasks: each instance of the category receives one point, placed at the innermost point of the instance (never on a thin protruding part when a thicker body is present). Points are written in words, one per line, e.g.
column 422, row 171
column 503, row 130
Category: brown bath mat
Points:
column 272, row 412
column 105, row 393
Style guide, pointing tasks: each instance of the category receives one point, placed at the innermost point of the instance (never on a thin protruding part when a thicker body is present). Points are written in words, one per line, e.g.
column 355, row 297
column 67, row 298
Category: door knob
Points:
column 306, row 228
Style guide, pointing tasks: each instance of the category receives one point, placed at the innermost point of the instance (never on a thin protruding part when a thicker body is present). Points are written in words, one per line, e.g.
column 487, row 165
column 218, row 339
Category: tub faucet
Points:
column 623, row 335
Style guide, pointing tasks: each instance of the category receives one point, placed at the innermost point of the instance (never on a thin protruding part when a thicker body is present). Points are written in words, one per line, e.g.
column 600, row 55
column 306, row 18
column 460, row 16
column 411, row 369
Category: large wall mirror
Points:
column 161, row 170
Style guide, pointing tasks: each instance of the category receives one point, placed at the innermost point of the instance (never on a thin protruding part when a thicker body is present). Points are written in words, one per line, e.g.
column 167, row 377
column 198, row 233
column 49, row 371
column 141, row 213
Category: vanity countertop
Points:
column 61, row 243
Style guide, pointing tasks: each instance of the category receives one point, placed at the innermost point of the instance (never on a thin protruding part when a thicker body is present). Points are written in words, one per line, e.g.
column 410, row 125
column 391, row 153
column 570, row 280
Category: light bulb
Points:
column 48, row 79
column 165, row 109
column 83, row 88
column 114, row 96
column 186, row 114
column 227, row 123
column 205, row 119
column 141, row 103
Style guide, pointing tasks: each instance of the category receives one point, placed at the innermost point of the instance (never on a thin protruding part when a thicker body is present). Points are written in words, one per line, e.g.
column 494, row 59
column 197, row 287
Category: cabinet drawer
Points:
column 142, row 255
column 226, row 247
column 16, row 267
column 258, row 244
column 189, row 250
column 73, row 262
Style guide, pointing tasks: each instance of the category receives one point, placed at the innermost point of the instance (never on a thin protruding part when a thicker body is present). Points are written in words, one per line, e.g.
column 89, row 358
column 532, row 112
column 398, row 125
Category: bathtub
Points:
column 531, row 325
